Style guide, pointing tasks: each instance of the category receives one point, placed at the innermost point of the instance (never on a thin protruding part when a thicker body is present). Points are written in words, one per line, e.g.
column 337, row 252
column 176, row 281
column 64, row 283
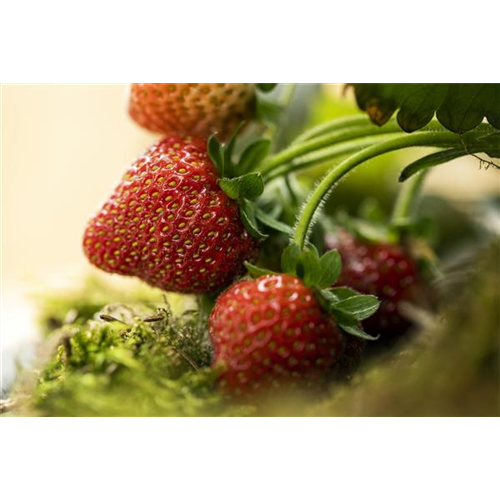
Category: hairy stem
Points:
column 296, row 150
column 427, row 138
column 319, row 158
column 330, row 126
column 344, row 130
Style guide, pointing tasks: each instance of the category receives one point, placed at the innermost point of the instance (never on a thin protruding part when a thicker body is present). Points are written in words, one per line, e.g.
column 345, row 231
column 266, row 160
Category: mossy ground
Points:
column 137, row 357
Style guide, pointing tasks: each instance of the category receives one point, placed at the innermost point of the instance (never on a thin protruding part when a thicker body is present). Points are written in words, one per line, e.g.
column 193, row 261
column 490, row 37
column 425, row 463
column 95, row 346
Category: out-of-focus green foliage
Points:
column 452, row 370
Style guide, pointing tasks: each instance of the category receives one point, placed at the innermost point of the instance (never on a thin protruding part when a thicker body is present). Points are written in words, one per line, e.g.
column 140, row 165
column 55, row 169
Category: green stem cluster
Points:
column 326, row 155
column 356, row 136
column 331, row 126
column 321, row 142
column 417, row 139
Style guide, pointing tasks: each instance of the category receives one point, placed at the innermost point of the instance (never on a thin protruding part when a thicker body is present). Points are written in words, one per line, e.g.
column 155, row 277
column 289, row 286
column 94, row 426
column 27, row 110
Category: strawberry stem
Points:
column 332, row 125
column 405, row 206
column 323, row 156
column 339, row 131
column 330, row 139
column 320, row 194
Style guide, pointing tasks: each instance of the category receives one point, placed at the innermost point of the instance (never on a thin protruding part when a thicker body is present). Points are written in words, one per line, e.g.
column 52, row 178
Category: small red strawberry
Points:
column 191, row 108
column 381, row 269
column 271, row 331
column 170, row 224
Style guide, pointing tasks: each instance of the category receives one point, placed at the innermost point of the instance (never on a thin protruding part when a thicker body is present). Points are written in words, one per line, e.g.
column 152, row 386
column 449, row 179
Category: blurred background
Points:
column 63, row 149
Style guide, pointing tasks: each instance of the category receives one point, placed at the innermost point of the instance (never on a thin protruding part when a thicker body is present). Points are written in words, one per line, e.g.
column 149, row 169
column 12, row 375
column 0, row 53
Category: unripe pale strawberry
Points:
column 191, row 108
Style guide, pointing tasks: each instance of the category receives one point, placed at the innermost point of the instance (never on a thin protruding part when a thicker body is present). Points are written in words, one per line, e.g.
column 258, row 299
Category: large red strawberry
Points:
column 271, row 331
column 381, row 269
column 191, row 108
column 169, row 223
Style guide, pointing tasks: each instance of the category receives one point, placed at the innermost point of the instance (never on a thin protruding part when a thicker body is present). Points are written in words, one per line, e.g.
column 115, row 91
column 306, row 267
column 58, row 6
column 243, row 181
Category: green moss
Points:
column 78, row 305
column 140, row 359
column 129, row 362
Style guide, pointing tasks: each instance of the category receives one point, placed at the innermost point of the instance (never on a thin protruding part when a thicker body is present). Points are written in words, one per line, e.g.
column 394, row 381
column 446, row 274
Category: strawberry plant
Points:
column 217, row 198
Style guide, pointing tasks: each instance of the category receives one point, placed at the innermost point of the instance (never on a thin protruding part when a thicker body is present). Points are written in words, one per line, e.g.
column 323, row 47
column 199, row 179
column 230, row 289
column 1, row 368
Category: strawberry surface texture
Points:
column 380, row 269
column 191, row 108
column 271, row 332
column 169, row 223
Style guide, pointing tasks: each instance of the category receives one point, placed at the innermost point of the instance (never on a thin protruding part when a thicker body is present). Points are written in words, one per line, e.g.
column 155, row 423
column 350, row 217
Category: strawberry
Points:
column 271, row 331
column 191, row 108
column 170, row 224
column 382, row 269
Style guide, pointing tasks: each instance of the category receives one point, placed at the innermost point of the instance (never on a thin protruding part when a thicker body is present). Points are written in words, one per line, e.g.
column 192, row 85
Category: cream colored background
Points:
column 64, row 147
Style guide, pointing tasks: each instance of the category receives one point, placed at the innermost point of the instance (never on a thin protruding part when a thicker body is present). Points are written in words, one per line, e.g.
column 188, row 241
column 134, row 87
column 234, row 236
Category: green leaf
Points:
column 359, row 307
column 458, row 106
column 266, row 87
column 356, row 331
column 271, row 222
column 330, row 268
column 253, row 155
column 252, row 186
column 290, row 257
column 305, row 264
column 431, row 160
column 308, row 266
column 247, row 213
column 228, row 149
column 249, row 186
column 483, row 139
column 339, row 293
column 256, row 272
column 231, row 187
column 215, row 151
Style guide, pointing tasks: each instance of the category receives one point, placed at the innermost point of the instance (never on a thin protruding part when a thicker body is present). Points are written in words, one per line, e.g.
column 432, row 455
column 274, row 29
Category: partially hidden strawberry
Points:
column 191, row 108
column 270, row 332
column 381, row 269
column 169, row 223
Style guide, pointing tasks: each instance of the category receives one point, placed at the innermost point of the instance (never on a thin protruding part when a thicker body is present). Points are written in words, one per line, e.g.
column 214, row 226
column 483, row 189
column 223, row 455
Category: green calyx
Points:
column 347, row 306
column 319, row 273
column 242, row 185
column 248, row 186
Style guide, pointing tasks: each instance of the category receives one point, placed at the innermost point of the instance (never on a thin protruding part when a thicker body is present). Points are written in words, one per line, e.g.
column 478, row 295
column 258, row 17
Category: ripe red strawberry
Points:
column 380, row 269
column 169, row 223
column 271, row 331
column 191, row 108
